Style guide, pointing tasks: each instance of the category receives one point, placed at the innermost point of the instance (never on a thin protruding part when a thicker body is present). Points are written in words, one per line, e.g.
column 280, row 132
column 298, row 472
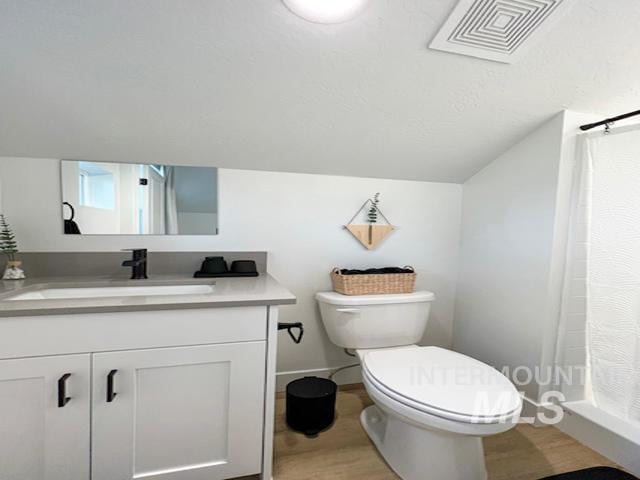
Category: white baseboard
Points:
column 345, row 377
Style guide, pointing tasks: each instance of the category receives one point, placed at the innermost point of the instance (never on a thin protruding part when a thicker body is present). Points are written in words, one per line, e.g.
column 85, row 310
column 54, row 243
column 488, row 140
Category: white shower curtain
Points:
column 604, row 264
column 171, row 205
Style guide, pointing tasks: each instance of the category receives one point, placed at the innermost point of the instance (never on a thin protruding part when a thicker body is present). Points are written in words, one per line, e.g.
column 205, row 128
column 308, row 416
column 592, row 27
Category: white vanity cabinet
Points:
column 178, row 413
column 44, row 418
column 162, row 395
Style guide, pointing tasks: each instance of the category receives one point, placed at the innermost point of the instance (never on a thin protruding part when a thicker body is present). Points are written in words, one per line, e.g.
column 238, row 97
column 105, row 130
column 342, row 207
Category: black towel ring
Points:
column 73, row 210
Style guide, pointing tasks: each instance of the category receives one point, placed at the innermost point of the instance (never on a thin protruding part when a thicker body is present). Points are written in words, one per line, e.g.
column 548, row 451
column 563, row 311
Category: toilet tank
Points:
column 375, row 321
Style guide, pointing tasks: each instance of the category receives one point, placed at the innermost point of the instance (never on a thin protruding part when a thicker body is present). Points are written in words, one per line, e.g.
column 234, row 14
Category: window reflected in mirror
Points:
column 101, row 198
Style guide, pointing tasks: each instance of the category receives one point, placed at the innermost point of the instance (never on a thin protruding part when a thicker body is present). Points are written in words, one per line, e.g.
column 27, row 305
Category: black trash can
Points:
column 311, row 404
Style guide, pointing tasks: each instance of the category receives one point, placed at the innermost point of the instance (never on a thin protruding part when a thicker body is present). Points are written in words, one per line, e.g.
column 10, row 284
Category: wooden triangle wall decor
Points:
column 370, row 235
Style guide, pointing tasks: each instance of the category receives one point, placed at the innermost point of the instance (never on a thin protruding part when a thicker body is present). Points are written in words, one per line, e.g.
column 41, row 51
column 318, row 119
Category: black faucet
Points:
column 138, row 264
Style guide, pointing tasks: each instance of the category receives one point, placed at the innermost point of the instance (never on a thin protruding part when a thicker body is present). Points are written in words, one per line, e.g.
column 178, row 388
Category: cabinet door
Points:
column 188, row 413
column 44, row 418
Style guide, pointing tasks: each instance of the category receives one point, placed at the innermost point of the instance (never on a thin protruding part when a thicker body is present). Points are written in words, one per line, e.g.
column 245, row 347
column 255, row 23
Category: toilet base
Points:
column 413, row 452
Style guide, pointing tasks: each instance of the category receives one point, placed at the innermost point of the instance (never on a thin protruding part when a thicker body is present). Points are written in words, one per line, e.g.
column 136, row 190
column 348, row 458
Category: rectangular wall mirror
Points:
column 101, row 198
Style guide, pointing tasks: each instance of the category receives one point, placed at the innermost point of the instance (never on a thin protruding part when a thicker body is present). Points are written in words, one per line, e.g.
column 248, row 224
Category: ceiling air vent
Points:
column 497, row 30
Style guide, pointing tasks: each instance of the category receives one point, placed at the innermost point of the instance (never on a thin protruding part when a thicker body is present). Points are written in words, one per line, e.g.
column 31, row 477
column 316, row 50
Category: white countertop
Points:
column 228, row 292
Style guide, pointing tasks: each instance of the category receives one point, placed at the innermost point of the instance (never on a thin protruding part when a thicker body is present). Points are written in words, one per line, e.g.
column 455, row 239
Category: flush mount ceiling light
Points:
column 327, row 11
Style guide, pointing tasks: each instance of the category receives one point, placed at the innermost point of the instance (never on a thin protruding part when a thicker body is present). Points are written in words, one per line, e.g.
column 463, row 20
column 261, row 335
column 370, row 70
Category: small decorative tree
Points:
column 8, row 243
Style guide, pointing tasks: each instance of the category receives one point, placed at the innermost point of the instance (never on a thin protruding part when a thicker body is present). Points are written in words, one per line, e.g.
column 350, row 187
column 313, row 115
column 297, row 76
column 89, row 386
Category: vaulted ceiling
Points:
column 246, row 84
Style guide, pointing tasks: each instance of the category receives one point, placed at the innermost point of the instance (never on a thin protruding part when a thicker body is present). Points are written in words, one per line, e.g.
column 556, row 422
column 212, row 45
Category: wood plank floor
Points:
column 345, row 452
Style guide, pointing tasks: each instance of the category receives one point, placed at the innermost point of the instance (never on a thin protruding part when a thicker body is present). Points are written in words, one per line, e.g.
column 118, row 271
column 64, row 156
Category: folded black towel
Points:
column 597, row 473
column 370, row 271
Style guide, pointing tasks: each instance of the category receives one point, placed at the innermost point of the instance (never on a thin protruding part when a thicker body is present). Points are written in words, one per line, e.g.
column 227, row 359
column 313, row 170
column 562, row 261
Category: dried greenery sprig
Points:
column 372, row 214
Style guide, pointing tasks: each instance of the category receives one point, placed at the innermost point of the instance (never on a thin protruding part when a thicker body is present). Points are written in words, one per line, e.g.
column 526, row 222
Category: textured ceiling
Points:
column 247, row 84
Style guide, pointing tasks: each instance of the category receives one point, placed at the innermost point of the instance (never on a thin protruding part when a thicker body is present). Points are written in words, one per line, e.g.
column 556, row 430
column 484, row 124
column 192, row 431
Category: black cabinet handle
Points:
column 111, row 394
column 62, row 390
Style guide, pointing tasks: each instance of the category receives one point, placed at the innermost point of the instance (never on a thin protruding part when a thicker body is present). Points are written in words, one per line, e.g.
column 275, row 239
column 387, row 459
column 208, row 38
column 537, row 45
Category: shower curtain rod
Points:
column 608, row 121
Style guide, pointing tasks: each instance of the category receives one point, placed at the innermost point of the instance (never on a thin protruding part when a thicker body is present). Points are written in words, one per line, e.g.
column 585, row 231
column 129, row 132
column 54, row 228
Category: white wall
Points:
column 507, row 237
column 512, row 251
column 297, row 218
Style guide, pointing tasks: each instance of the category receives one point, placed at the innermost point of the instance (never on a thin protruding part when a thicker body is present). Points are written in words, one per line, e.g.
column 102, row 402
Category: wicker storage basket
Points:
column 373, row 284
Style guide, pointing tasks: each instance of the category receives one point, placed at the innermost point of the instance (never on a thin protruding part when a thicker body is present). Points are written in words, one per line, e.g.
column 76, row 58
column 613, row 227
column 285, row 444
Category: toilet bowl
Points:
column 432, row 406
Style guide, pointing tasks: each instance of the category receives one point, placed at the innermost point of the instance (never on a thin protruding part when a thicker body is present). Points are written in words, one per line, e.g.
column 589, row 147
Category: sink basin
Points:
column 98, row 292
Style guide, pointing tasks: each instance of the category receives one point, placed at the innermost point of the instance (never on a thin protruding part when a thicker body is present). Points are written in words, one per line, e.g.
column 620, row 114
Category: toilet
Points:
column 432, row 406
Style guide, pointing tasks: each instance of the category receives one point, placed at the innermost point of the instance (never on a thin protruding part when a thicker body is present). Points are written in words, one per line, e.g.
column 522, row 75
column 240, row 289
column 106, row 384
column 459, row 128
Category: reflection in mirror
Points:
column 137, row 199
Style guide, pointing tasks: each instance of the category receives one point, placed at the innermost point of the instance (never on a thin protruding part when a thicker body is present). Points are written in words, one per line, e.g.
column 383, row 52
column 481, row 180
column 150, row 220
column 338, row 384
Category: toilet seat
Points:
column 442, row 383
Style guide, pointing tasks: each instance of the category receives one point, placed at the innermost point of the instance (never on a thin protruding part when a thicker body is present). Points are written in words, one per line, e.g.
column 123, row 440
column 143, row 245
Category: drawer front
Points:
column 100, row 332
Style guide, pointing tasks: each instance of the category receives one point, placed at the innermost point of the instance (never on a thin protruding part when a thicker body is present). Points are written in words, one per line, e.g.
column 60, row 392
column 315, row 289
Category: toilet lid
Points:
column 445, row 381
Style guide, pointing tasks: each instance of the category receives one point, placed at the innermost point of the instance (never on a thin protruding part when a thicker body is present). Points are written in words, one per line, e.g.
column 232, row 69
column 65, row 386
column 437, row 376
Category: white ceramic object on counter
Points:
column 13, row 271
